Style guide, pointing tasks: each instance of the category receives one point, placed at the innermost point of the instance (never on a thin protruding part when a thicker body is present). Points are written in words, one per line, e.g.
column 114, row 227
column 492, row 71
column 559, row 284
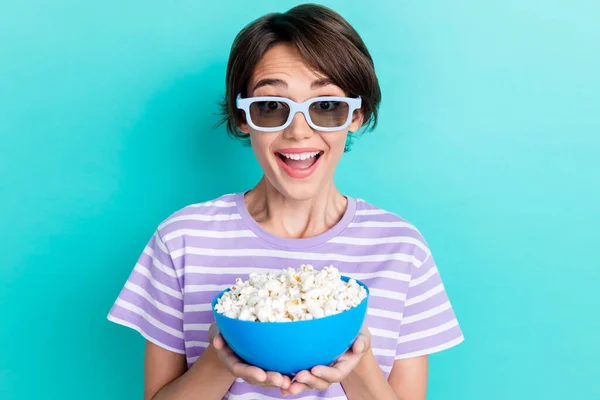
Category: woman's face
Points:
column 282, row 72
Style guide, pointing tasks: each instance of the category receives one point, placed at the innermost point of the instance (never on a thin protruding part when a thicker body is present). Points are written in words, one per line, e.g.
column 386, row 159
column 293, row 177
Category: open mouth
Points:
column 300, row 160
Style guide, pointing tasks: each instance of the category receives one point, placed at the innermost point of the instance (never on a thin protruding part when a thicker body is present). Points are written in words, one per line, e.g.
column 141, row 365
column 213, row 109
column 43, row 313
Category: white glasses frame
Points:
column 244, row 104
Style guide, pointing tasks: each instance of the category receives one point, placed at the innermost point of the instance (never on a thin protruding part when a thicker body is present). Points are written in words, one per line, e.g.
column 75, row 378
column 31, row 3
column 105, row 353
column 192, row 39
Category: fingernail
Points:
column 361, row 346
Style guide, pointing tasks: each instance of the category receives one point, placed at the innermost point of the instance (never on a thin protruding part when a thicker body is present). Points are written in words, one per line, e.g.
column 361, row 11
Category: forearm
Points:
column 367, row 382
column 207, row 379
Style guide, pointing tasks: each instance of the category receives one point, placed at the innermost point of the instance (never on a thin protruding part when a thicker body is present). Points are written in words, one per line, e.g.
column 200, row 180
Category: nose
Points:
column 299, row 128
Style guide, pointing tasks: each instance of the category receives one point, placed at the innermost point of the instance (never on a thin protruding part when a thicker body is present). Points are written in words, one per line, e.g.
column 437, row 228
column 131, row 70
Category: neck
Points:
column 289, row 218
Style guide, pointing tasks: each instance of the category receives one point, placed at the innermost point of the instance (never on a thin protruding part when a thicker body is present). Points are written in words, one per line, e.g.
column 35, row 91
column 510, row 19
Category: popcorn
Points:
column 290, row 295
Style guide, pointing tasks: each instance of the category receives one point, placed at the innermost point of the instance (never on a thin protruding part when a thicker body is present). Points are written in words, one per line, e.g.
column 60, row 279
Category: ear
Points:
column 357, row 120
column 243, row 126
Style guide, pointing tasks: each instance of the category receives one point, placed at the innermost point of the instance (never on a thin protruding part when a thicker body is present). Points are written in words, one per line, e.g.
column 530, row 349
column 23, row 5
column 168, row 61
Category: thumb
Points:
column 359, row 345
column 215, row 336
column 218, row 342
column 363, row 342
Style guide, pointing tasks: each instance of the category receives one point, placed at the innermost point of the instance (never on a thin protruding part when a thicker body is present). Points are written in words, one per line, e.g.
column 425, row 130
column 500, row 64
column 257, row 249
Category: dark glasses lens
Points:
column 329, row 114
column 269, row 114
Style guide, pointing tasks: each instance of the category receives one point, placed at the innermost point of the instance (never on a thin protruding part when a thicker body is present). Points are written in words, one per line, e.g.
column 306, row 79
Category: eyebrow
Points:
column 319, row 83
column 269, row 82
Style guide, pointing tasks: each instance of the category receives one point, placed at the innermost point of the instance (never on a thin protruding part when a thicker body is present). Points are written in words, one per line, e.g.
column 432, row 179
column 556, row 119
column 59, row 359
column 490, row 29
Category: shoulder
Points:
column 385, row 227
column 369, row 215
column 205, row 215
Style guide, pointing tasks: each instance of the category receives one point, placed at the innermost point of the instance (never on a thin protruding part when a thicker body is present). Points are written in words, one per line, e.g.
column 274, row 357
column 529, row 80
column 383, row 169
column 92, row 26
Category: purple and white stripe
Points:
column 201, row 249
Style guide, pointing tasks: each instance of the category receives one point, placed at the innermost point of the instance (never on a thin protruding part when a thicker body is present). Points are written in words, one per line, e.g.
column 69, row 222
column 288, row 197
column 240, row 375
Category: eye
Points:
column 271, row 106
column 326, row 105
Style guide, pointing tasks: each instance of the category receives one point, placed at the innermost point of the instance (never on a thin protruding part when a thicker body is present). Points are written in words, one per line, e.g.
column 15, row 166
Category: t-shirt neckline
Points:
column 289, row 243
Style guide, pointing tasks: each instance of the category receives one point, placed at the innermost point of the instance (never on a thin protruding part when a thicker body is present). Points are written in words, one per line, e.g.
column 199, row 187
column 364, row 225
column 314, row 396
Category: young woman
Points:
column 298, row 84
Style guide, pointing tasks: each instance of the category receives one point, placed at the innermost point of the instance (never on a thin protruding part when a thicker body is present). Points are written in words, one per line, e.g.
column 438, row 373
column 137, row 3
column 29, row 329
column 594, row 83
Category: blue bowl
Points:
column 290, row 347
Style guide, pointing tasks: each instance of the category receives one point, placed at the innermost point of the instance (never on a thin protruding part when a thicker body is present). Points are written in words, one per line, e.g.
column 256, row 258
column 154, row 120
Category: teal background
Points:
column 489, row 141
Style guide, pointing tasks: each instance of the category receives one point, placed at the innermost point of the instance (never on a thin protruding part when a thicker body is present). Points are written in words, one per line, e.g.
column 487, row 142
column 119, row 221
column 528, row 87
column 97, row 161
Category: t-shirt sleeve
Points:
column 151, row 302
column 428, row 322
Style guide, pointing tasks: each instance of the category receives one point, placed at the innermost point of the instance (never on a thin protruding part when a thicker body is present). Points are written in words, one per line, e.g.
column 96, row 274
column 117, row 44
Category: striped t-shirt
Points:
column 201, row 250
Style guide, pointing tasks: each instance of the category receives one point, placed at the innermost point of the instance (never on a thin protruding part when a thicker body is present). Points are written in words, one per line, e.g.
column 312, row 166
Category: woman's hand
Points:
column 321, row 377
column 236, row 367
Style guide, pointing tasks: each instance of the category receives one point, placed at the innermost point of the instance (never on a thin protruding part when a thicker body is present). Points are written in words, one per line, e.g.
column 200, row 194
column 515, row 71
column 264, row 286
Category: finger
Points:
column 349, row 355
column 227, row 355
column 238, row 367
column 272, row 383
column 364, row 330
column 218, row 342
column 297, row 387
column 312, row 381
column 336, row 373
column 287, row 381
column 213, row 330
column 275, row 379
column 363, row 341
column 359, row 345
column 248, row 372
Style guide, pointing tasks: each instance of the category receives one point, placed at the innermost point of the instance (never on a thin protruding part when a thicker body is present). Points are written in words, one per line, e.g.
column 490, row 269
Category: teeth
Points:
column 300, row 156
